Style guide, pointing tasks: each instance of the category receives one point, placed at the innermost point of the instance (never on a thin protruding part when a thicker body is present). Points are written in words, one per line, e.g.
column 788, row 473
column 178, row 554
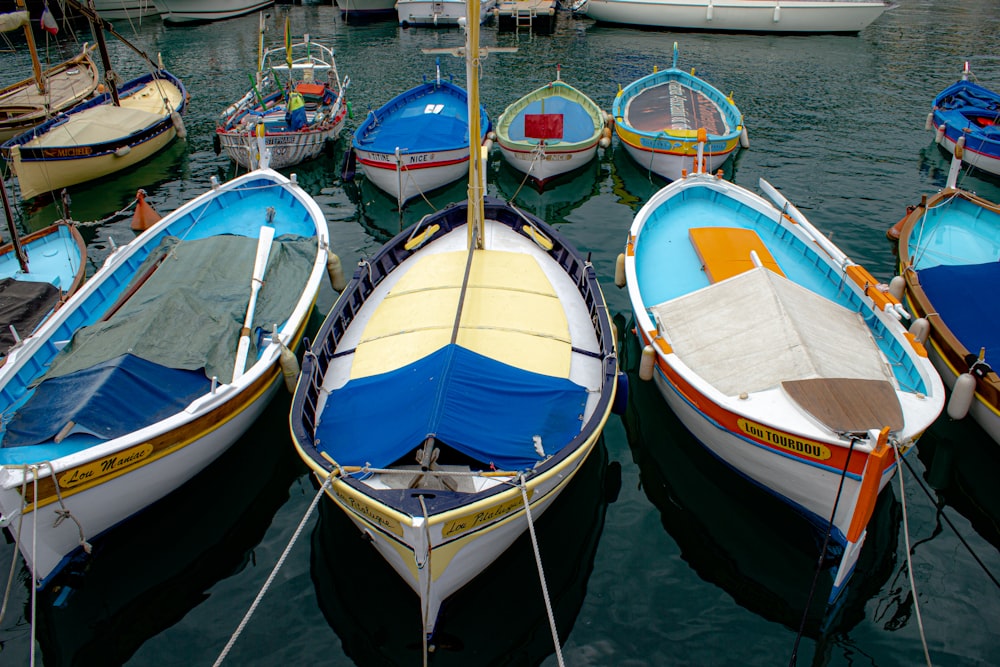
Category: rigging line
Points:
column 822, row 555
column 909, row 562
column 13, row 561
column 940, row 511
column 274, row 571
column 541, row 572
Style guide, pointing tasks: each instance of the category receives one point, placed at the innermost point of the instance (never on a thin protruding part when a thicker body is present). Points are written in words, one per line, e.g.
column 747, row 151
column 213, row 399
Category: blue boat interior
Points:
column 668, row 266
column 443, row 396
column 155, row 332
column 577, row 125
column 974, row 320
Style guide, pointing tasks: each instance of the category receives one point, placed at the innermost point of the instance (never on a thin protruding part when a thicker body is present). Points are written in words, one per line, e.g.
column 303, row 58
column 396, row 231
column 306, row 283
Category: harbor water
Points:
column 656, row 554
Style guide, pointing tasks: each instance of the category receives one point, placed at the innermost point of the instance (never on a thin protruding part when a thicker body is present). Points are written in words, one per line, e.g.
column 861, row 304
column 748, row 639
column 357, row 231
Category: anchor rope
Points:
column 13, row 560
column 425, row 598
column 274, row 571
column 940, row 513
column 541, row 572
column 909, row 562
column 822, row 555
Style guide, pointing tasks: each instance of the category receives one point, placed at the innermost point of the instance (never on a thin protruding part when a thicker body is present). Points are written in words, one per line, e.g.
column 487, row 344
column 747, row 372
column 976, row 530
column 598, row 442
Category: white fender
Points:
column 646, row 363
column 961, row 396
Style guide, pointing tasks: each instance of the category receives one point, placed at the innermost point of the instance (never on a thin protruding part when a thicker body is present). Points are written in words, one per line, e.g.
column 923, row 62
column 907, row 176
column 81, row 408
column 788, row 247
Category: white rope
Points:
column 541, row 573
column 274, row 571
column 425, row 598
column 909, row 563
column 34, row 552
column 13, row 560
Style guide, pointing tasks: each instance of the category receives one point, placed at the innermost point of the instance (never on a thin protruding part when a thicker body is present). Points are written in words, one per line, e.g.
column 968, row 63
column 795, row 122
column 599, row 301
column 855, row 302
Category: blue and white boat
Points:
column 661, row 117
column 966, row 121
column 783, row 357
column 419, row 140
column 157, row 364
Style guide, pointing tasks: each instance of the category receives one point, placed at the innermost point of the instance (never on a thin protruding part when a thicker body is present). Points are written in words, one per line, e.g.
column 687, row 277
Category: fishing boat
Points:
column 538, row 16
column 27, row 103
column 297, row 101
column 552, row 130
column 434, row 13
column 161, row 360
column 947, row 245
column 367, row 8
column 203, row 11
column 783, row 357
column 658, row 119
column 106, row 134
column 457, row 385
column 760, row 16
column 419, row 140
column 966, row 116
column 126, row 9
column 38, row 272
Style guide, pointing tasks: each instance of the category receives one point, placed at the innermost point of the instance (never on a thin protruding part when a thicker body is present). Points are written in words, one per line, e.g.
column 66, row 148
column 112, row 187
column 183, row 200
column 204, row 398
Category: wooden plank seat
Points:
column 726, row 251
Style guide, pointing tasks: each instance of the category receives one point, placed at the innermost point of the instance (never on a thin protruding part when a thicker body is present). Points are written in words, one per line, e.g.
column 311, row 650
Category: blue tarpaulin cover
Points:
column 107, row 400
column 962, row 297
column 484, row 408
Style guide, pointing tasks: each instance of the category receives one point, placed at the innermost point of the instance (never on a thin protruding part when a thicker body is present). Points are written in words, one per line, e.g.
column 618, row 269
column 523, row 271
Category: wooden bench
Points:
column 726, row 251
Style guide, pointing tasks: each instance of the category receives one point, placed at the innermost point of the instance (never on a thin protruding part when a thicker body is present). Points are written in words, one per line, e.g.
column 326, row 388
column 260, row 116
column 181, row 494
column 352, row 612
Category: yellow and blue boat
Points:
column 659, row 118
column 458, row 384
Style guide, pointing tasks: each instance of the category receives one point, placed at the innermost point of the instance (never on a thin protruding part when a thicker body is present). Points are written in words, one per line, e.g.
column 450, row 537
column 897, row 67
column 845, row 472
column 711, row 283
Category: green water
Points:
column 656, row 555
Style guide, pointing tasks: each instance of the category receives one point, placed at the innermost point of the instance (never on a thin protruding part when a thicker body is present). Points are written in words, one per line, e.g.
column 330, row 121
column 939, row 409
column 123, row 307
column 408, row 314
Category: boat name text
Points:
column 370, row 514
column 479, row 519
column 787, row 442
column 105, row 466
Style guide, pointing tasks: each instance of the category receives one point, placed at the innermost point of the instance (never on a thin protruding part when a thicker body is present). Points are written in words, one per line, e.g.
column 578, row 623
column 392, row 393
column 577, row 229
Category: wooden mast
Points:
column 36, row 66
column 98, row 29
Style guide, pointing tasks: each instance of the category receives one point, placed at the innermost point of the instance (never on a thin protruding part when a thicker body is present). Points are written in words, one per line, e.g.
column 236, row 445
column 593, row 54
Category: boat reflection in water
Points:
column 149, row 572
column 736, row 535
column 499, row 617
column 561, row 195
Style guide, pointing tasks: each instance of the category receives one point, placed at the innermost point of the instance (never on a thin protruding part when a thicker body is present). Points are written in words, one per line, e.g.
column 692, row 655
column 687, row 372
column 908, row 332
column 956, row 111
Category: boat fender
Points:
column 178, row 122
column 744, row 138
column 217, row 144
column 289, row 367
column 960, row 147
column 777, row 13
column 605, row 140
column 335, row 270
column 896, row 286
column 144, row 216
column 961, row 396
column 621, row 394
column 929, row 123
column 620, row 270
column 920, row 329
column 646, row 363
column 122, row 151
column 939, row 135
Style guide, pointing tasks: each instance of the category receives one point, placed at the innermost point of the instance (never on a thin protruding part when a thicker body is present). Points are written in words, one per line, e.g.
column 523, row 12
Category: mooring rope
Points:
column 822, row 555
column 274, row 571
column 541, row 572
column 425, row 598
column 909, row 562
column 13, row 560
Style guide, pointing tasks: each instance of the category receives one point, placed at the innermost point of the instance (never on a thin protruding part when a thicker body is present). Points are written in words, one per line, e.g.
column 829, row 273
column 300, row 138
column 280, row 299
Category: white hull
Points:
column 285, row 150
column 987, row 163
column 546, row 164
column 405, row 183
column 192, row 11
column 367, row 6
column 125, row 9
column 442, row 12
column 670, row 165
column 803, row 16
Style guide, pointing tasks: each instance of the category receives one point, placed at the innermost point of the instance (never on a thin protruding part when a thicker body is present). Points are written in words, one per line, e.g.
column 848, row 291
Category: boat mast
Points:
column 15, row 238
column 36, row 66
column 109, row 75
column 476, row 175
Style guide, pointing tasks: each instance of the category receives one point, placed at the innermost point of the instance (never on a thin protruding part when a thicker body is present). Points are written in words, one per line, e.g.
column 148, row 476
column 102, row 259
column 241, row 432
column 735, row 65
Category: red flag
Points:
column 543, row 125
column 49, row 22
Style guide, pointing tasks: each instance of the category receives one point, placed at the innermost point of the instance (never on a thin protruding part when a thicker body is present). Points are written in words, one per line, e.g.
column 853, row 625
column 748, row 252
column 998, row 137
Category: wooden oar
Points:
column 263, row 251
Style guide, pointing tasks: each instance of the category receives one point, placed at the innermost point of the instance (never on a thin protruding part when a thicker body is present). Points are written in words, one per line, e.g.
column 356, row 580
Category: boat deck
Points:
column 535, row 15
column 674, row 106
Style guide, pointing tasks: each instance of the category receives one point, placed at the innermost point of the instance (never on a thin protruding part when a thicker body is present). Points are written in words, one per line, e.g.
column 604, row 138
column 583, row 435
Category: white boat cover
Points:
column 757, row 329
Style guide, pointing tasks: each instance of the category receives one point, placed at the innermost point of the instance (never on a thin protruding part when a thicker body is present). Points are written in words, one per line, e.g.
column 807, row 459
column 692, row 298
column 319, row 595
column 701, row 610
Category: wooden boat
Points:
column 457, row 385
column 784, row 358
column 37, row 274
column 418, row 141
column 27, row 103
column 104, row 135
column 551, row 131
column 786, row 16
column 967, row 115
column 660, row 117
column 203, row 11
column 163, row 358
column 948, row 245
column 126, row 9
column 300, row 74
column 433, row 13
